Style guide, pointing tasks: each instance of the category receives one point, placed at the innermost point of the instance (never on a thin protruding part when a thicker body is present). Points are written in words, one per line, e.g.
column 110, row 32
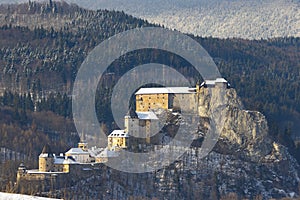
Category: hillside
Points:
column 217, row 18
column 44, row 59
column 42, row 45
column 245, row 163
column 265, row 65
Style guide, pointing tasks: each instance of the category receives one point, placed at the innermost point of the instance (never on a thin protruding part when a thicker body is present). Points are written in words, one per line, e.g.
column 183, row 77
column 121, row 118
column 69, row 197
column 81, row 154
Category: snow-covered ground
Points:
column 253, row 19
column 9, row 196
column 218, row 18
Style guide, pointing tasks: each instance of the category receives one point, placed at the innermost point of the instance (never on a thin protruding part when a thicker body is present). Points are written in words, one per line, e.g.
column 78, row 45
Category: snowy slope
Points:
column 253, row 19
column 217, row 18
column 8, row 196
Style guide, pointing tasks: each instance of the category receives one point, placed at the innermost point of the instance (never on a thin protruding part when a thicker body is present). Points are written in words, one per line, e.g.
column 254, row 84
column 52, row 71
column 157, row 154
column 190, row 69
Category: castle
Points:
column 140, row 125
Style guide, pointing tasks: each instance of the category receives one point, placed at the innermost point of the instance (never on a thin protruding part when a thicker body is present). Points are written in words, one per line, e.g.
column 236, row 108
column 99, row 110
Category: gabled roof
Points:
column 76, row 151
column 63, row 160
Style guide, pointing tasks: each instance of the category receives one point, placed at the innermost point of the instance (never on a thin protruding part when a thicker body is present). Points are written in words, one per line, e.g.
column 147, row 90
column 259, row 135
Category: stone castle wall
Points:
column 30, row 182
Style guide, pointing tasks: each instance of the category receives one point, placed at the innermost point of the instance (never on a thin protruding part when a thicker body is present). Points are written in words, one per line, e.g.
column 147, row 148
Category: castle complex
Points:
column 141, row 125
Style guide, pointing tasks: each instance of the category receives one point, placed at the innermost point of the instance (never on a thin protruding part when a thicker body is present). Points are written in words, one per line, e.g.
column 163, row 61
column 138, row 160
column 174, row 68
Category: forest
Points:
column 39, row 63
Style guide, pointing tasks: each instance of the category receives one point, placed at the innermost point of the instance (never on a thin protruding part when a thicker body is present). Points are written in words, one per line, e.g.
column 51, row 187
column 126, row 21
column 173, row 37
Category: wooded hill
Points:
column 42, row 45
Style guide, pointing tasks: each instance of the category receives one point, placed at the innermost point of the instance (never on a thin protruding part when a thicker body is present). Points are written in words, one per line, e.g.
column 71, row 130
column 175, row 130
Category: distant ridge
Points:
column 254, row 19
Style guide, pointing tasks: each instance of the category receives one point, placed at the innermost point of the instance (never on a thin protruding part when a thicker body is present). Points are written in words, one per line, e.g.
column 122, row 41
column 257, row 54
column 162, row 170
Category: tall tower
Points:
column 46, row 160
column 126, row 123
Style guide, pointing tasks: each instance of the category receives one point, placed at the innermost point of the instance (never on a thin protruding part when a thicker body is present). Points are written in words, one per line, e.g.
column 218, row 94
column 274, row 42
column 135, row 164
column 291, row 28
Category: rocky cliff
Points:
column 240, row 130
column 245, row 163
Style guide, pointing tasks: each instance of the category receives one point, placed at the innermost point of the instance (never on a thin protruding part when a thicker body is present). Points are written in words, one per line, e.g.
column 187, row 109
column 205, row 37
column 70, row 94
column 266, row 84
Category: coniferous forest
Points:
column 39, row 62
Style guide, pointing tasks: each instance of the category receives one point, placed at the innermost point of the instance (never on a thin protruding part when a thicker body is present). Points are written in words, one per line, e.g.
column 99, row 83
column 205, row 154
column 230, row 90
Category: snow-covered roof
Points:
column 166, row 90
column 118, row 133
column 63, row 160
column 107, row 153
column 76, row 151
column 46, row 155
column 36, row 171
column 146, row 115
column 213, row 82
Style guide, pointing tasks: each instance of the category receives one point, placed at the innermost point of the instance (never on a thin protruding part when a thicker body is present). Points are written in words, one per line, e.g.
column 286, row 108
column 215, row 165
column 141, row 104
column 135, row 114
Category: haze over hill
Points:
column 218, row 18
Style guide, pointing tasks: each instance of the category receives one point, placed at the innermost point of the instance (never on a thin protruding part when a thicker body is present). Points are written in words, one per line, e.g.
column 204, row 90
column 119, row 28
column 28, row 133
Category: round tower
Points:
column 21, row 171
column 46, row 160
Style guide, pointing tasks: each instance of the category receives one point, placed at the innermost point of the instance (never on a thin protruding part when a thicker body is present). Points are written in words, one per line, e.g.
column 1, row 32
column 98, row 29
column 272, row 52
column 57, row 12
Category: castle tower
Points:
column 197, row 87
column 126, row 123
column 46, row 160
column 21, row 171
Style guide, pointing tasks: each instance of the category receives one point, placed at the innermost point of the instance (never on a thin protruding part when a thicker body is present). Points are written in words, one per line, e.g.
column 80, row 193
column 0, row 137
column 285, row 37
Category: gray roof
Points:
column 166, row 90
column 213, row 82
column 146, row 115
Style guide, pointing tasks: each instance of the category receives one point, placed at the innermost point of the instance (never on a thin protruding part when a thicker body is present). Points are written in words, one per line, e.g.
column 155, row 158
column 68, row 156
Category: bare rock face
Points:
column 240, row 130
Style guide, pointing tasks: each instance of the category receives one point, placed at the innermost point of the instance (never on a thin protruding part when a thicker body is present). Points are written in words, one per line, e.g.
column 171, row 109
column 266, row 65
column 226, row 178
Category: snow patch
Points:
column 10, row 196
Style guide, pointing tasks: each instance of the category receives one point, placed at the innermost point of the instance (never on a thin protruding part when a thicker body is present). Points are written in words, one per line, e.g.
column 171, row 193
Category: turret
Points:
column 21, row 171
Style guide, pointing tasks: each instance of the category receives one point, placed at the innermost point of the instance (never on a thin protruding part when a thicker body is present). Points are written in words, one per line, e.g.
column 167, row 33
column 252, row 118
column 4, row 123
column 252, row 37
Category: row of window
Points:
column 157, row 97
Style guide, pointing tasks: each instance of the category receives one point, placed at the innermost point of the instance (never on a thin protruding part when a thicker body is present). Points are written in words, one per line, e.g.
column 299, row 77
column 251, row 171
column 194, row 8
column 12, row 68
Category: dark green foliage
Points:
column 43, row 61
column 23, row 102
column 57, row 103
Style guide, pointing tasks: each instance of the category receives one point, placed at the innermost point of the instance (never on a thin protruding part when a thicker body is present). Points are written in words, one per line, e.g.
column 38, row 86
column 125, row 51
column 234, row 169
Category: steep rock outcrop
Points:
column 240, row 130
